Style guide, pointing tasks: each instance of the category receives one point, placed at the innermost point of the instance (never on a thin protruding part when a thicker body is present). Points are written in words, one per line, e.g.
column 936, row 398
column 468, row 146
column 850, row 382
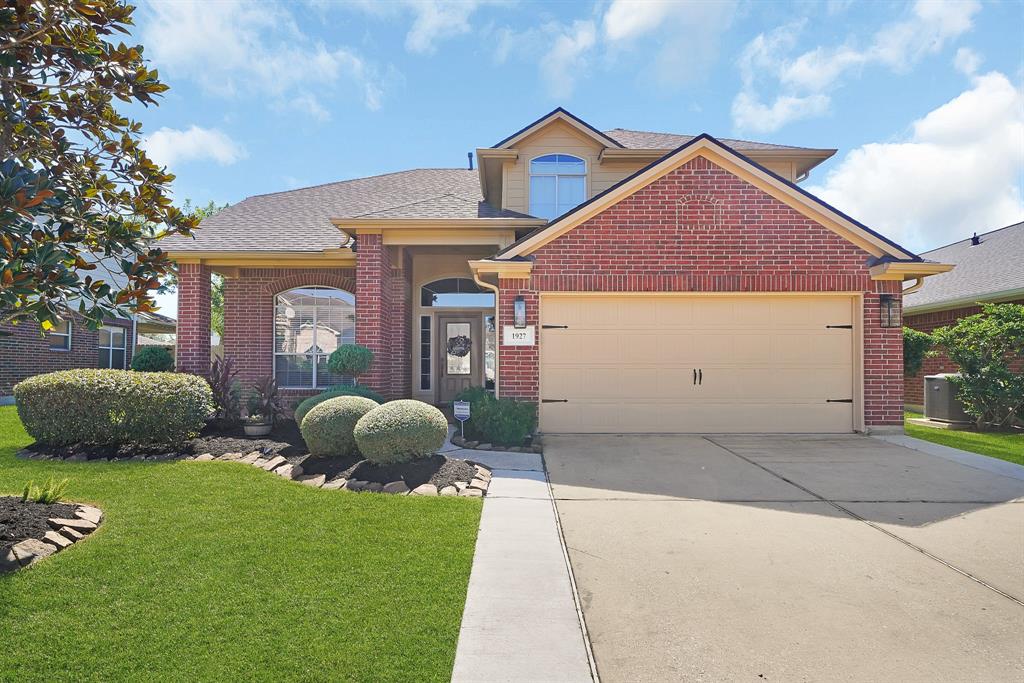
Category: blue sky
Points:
column 922, row 99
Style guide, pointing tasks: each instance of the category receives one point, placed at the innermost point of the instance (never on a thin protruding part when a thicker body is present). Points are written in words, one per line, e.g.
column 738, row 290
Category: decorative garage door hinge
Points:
column 838, row 400
column 554, row 327
column 554, row 400
column 838, row 327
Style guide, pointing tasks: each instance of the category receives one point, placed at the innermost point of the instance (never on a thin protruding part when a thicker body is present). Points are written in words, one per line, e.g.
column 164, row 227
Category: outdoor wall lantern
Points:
column 519, row 312
column 890, row 310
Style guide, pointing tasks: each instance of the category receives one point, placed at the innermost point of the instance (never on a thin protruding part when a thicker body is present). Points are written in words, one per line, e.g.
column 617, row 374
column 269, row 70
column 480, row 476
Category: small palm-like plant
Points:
column 50, row 492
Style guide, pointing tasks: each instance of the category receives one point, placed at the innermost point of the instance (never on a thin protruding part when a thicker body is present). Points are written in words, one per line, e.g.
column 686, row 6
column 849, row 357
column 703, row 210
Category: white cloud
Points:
column 171, row 147
column 663, row 24
column 433, row 21
column 232, row 47
column 804, row 80
column 959, row 171
column 564, row 52
column 967, row 61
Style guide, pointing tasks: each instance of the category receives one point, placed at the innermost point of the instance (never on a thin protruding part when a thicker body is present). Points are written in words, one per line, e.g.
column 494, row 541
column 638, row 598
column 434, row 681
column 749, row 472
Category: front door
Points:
column 459, row 350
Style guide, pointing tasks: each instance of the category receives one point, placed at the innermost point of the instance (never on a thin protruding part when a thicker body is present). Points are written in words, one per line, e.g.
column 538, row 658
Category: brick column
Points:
column 193, row 338
column 373, row 300
column 518, row 366
column 883, row 362
column 399, row 334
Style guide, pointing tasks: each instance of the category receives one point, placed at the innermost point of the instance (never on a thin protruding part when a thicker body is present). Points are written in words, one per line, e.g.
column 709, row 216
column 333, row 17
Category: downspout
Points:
column 135, row 335
column 497, row 328
column 914, row 287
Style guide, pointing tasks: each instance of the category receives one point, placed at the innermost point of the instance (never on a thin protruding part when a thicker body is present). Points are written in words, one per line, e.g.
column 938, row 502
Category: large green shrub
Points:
column 916, row 345
column 989, row 348
column 153, row 359
column 400, row 431
column 327, row 428
column 113, row 407
column 306, row 405
column 351, row 360
column 503, row 421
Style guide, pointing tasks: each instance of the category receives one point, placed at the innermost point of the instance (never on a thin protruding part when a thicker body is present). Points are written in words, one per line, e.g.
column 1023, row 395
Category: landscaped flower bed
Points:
column 285, row 446
column 31, row 531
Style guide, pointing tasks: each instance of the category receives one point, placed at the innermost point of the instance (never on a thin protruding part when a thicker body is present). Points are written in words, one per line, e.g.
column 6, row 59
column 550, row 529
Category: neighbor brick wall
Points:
column 702, row 229
column 913, row 386
column 26, row 353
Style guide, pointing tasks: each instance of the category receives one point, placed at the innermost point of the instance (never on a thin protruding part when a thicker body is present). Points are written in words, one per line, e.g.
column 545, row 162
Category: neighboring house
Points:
column 26, row 351
column 989, row 269
column 155, row 329
column 626, row 281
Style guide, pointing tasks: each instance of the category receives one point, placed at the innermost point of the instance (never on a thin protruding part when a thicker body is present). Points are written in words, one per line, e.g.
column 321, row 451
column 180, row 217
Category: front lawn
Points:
column 218, row 571
column 1003, row 445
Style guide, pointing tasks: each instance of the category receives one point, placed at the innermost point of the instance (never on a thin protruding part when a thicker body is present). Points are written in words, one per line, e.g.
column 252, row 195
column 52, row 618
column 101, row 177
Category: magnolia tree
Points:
column 989, row 348
column 81, row 205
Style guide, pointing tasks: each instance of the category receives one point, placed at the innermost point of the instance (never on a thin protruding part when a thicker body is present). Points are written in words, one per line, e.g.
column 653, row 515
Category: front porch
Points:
column 417, row 307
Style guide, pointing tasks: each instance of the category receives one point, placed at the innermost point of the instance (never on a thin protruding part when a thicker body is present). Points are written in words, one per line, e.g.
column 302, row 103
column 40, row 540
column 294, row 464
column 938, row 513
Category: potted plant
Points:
column 264, row 407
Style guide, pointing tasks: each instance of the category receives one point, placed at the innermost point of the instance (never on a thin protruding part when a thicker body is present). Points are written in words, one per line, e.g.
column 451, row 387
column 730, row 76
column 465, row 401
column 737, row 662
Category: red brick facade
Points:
column 25, row 352
column 193, row 335
column 913, row 386
column 703, row 229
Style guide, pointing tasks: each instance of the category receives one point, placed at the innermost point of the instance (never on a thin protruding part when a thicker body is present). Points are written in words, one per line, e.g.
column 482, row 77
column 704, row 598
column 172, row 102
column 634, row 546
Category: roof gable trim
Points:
column 559, row 114
column 734, row 162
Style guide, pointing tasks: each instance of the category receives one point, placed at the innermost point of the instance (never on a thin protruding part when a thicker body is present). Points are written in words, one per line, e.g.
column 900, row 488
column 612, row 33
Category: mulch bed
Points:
column 286, row 441
column 20, row 520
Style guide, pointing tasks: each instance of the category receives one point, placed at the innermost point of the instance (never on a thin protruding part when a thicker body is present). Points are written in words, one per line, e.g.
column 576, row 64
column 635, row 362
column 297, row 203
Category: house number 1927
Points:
column 518, row 336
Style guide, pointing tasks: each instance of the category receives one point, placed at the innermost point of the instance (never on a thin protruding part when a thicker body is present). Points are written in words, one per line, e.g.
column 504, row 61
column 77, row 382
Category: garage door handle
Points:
column 700, row 376
column 695, row 377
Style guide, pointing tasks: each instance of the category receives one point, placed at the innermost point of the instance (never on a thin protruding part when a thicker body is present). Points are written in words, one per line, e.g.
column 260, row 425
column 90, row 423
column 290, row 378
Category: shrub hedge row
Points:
column 113, row 407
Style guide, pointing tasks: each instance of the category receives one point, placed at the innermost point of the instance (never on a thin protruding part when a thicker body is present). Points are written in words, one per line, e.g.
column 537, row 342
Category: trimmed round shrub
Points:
column 153, row 359
column 113, row 407
column 400, row 431
column 350, row 359
column 327, row 428
column 306, row 405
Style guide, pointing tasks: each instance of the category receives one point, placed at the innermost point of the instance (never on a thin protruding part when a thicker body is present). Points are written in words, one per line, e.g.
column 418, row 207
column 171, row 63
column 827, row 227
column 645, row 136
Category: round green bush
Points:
column 327, row 428
column 153, row 359
column 306, row 405
column 400, row 431
column 350, row 359
column 113, row 407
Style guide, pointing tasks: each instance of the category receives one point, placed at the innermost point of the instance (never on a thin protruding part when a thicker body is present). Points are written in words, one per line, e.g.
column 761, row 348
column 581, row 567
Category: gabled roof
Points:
column 991, row 270
column 706, row 145
column 301, row 220
column 639, row 139
column 558, row 114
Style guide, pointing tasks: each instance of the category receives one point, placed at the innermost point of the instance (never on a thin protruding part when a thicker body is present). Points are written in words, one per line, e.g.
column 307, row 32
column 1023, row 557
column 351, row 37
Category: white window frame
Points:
column 65, row 335
column 315, row 384
column 531, row 175
column 110, row 349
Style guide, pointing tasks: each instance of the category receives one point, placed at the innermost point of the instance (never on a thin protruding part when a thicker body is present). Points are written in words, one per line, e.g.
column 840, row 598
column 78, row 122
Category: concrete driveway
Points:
column 793, row 558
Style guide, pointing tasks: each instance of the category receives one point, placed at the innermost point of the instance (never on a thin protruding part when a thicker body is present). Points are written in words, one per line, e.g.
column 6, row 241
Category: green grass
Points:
column 219, row 571
column 1003, row 445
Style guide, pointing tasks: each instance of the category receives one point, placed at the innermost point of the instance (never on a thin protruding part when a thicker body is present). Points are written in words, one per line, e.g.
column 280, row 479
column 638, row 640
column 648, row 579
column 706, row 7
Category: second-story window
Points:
column 558, row 183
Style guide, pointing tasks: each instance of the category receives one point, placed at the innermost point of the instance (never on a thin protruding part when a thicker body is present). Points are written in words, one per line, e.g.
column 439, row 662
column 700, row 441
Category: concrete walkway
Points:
column 521, row 621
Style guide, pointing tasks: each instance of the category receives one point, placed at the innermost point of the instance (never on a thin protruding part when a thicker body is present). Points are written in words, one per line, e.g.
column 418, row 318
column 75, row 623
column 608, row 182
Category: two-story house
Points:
column 626, row 281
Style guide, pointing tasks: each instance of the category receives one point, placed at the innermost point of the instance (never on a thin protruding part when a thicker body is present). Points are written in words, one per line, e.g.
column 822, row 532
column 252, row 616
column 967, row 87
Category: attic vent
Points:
column 975, row 241
column 470, row 155
column 699, row 212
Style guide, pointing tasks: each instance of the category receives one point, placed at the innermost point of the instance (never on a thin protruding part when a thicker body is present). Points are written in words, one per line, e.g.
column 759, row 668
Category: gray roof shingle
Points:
column 639, row 139
column 300, row 220
column 994, row 266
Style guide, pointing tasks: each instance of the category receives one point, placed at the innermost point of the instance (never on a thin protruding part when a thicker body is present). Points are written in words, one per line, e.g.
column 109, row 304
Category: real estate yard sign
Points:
column 462, row 410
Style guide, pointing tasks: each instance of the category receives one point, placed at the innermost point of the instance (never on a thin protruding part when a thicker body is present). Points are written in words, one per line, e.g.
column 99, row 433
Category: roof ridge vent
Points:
column 975, row 240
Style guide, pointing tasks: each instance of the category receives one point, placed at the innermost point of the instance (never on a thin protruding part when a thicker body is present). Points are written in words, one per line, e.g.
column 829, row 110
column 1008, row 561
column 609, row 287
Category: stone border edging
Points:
column 476, row 488
column 65, row 533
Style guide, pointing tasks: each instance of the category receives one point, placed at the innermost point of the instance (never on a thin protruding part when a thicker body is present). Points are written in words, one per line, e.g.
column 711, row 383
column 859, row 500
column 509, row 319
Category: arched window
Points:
column 310, row 323
column 558, row 183
column 455, row 292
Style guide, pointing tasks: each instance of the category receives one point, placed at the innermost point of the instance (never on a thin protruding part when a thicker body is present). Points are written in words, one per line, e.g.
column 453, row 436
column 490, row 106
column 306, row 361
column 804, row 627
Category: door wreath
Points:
column 459, row 346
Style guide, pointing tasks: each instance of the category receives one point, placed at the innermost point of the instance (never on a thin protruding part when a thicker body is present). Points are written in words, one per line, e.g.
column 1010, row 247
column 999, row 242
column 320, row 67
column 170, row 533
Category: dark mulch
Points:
column 286, row 441
column 437, row 470
column 20, row 520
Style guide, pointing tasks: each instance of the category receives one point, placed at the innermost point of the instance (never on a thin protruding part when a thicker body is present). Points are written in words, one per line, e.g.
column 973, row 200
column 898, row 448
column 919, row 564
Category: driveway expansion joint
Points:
column 873, row 525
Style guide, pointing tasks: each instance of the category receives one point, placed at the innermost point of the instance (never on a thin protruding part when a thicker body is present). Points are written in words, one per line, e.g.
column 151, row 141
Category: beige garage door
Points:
column 621, row 363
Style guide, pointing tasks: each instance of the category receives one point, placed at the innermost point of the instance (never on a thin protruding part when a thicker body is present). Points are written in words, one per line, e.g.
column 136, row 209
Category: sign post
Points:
column 462, row 410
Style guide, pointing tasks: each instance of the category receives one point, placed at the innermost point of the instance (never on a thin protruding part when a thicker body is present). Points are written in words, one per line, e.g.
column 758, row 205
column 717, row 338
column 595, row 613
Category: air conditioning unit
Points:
column 940, row 401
